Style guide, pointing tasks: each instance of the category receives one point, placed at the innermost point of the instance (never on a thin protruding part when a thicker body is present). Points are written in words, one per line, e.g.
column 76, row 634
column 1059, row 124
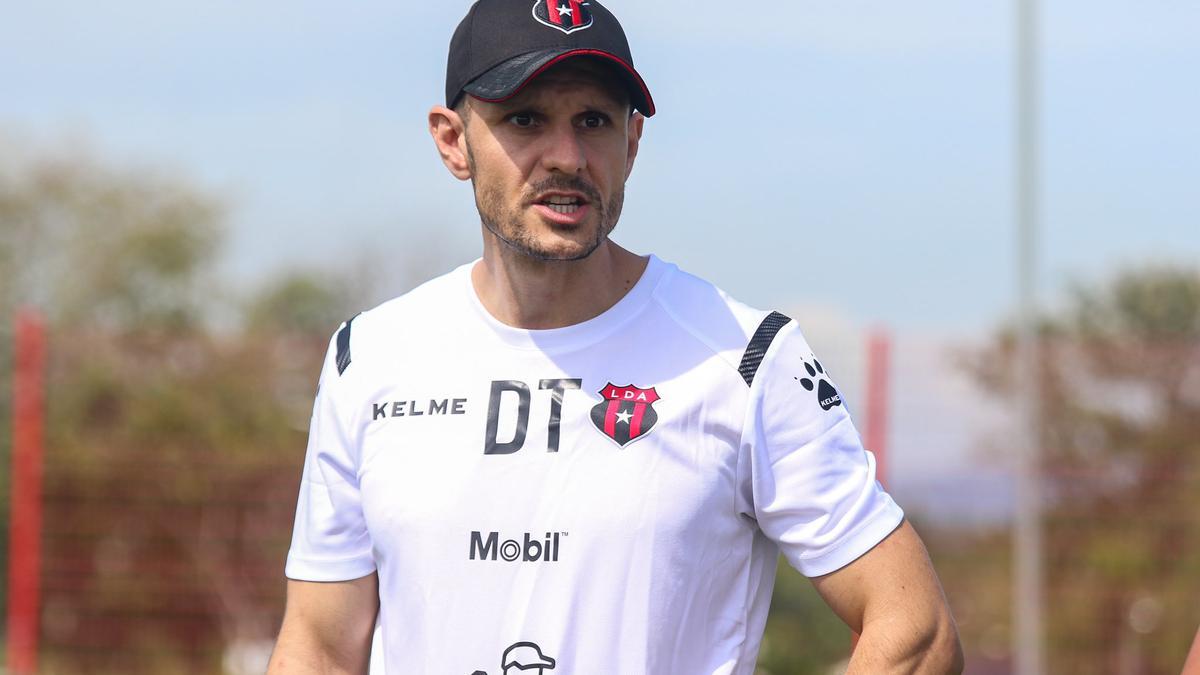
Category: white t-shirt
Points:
column 609, row 497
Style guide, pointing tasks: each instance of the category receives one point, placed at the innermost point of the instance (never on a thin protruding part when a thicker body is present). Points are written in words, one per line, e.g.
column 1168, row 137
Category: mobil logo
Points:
column 529, row 548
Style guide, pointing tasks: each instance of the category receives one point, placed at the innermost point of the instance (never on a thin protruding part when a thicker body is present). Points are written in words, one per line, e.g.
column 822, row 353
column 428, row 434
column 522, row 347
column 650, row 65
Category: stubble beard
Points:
column 507, row 225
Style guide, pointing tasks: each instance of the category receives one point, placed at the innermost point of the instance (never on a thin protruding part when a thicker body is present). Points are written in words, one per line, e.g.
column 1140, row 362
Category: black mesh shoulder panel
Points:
column 757, row 349
column 343, row 346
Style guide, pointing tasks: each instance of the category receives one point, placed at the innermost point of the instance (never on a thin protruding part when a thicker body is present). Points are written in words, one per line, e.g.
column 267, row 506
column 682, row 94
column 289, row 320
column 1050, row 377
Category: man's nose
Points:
column 563, row 150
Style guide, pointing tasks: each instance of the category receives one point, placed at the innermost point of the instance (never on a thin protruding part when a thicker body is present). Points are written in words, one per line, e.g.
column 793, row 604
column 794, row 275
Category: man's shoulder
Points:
column 726, row 325
column 420, row 314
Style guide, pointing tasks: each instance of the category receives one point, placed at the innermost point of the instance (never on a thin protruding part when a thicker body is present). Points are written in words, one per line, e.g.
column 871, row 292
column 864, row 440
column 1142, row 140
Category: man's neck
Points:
column 533, row 294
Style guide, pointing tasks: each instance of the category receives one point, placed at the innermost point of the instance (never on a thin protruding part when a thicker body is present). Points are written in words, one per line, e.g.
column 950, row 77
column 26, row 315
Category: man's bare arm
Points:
column 892, row 597
column 1192, row 665
column 327, row 628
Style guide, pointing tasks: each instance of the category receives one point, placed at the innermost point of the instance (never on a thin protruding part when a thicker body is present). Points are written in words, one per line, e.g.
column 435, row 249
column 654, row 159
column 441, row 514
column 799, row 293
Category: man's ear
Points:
column 449, row 135
column 636, row 124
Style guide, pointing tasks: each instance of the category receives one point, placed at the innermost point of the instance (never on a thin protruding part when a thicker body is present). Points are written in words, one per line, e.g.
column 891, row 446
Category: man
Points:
column 1192, row 665
column 568, row 458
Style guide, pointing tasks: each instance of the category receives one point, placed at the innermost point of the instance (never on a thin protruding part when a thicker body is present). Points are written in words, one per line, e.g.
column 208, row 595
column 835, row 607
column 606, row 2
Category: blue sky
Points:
column 855, row 155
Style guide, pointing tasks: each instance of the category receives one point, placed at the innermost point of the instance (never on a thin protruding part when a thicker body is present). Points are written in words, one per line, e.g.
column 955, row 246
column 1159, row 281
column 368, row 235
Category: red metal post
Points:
column 879, row 349
column 25, row 536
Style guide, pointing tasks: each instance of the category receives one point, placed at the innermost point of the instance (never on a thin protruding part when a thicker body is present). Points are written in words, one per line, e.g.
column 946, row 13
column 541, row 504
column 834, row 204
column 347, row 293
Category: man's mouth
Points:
column 564, row 204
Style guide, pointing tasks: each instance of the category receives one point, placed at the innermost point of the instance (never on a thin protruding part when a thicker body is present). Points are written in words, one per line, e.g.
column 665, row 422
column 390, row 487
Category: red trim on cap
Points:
column 580, row 52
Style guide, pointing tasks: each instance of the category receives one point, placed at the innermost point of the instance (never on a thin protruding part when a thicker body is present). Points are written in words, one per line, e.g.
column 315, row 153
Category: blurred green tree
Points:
column 173, row 449
column 1120, row 443
column 298, row 302
column 92, row 246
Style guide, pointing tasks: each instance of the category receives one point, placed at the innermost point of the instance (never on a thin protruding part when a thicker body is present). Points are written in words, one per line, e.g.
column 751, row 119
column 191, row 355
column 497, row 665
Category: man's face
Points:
column 549, row 165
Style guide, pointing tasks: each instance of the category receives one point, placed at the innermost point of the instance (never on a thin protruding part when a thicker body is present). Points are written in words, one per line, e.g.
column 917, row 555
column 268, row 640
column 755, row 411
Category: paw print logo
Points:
column 817, row 381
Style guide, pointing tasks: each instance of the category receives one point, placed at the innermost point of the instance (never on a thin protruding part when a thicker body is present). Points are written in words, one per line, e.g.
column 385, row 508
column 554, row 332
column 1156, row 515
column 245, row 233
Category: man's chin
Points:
column 564, row 253
column 565, row 244
column 551, row 243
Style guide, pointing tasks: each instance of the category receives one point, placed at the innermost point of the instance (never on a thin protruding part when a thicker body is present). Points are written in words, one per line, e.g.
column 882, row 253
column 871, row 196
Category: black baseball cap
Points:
column 503, row 44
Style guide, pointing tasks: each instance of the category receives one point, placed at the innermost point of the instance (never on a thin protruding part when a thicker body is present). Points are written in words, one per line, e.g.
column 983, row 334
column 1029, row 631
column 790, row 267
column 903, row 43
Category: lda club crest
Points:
column 626, row 413
column 565, row 15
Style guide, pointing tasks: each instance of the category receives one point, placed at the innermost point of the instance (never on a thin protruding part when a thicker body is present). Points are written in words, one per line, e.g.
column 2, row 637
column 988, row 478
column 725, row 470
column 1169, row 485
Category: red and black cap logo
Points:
column 565, row 15
column 626, row 413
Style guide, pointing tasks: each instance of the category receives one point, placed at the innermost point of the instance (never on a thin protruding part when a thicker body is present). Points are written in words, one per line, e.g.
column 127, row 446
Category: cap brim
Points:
column 508, row 79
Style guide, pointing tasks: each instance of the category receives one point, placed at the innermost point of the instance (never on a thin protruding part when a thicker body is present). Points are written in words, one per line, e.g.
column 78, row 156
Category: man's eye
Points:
column 523, row 120
column 595, row 121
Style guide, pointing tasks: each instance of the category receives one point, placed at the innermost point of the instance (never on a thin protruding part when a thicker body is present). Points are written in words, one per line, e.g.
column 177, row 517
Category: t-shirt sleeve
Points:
column 804, row 475
column 330, row 541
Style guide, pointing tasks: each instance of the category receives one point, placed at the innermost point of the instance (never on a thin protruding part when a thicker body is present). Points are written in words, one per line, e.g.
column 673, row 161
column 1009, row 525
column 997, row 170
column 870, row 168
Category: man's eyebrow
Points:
column 537, row 104
column 511, row 105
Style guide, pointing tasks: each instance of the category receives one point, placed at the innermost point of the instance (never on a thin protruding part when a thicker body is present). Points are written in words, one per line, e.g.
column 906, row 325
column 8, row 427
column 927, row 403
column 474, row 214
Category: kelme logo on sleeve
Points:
column 626, row 413
column 827, row 396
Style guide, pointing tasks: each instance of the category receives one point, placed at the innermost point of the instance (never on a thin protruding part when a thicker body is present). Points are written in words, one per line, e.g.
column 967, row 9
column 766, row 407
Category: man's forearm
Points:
column 1192, row 665
column 327, row 628
column 299, row 654
column 903, row 648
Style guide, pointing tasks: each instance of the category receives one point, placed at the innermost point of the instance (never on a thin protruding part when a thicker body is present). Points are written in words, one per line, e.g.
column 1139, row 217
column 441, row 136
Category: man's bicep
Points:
column 895, row 578
column 327, row 626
